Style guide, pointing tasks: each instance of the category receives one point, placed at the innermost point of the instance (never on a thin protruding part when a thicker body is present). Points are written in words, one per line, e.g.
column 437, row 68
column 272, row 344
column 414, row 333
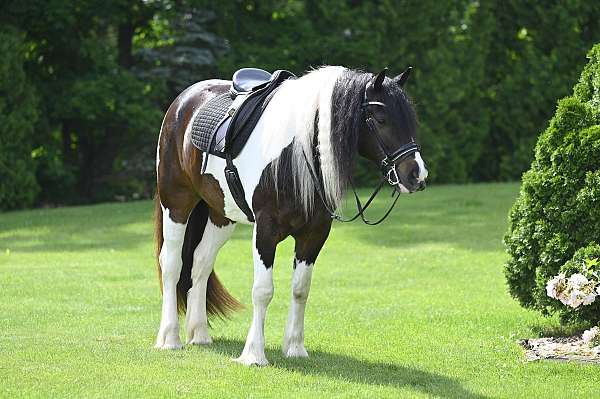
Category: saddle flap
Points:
column 246, row 79
column 224, row 123
column 245, row 117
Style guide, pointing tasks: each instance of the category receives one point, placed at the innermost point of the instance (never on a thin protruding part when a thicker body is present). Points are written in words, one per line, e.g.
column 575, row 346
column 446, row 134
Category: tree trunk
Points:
column 69, row 155
column 125, row 41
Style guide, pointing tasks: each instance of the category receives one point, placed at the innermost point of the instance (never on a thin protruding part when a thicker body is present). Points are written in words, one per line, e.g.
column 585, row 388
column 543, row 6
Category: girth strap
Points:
column 237, row 190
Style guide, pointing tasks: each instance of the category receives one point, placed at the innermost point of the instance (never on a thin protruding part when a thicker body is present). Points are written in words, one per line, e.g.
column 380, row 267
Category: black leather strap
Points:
column 237, row 190
column 360, row 208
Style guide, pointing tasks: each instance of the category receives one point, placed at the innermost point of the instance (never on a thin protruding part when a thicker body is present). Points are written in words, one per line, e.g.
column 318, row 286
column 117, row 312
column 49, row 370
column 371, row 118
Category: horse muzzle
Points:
column 413, row 189
column 412, row 181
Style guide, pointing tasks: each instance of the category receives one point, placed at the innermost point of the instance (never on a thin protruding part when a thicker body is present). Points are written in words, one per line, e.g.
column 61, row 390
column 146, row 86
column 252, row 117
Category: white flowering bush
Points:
column 577, row 289
column 591, row 337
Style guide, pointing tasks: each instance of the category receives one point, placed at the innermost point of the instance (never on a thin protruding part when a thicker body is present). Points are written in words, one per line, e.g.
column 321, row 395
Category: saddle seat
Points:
column 246, row 79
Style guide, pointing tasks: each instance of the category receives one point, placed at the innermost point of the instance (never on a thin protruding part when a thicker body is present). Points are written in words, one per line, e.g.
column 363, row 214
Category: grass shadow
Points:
column 347, row 368
column 546, row 331
column 75, row 229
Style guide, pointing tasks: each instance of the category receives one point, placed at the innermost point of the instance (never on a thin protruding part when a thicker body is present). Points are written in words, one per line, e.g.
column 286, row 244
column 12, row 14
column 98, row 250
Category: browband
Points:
column 367, row 103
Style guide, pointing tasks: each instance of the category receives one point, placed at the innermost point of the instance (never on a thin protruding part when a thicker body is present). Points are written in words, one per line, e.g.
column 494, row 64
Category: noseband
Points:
column 388, row 170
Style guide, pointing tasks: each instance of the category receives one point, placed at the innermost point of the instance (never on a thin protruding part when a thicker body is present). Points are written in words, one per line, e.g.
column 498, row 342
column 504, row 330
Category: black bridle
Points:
column 387, row 165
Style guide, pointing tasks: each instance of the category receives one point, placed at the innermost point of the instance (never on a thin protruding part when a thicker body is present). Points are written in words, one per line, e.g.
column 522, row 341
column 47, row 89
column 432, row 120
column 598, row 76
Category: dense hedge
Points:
column 18, row 115
column 556, row 219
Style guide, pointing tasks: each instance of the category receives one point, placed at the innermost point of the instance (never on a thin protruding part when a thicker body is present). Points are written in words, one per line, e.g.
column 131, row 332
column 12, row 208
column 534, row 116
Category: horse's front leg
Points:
column 264, row 244
column 308, row 246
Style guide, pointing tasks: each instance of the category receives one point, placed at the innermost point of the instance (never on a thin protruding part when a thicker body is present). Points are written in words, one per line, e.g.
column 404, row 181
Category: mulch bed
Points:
column 564, row 349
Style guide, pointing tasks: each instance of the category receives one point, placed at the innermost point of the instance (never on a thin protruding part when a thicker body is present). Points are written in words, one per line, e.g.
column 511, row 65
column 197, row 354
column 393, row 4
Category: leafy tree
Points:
column 446, row 41
column 104, row 71
column 97, row 114
column 181, row 51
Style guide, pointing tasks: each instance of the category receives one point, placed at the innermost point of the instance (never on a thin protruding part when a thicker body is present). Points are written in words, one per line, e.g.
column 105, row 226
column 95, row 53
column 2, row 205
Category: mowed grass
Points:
column 415, row 307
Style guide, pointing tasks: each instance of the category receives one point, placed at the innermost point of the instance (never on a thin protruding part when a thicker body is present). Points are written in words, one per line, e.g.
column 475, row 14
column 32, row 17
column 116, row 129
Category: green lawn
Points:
column 416, row 307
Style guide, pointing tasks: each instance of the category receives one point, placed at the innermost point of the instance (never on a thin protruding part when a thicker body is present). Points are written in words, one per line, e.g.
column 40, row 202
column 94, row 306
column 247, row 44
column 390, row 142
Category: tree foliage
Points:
column 18, row 114
column 99, row 118
column 535, row 56
column 557, row 214
column 181, row 51
column 486, row 75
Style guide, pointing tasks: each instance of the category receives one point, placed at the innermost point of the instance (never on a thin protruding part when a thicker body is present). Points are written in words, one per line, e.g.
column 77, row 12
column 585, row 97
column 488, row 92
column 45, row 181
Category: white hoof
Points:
column 168, row 338
column 197, row 333
column 169, row 346
column 199, row 336
column 295, row 350
column 248, row 359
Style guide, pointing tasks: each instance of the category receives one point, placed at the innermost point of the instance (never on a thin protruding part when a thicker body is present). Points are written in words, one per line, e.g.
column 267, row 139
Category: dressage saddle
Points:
column 224, row 124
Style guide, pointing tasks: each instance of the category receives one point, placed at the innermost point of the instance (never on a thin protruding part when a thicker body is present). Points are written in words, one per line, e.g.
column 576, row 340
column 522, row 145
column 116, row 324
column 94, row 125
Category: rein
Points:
column 388, row 169
column 360, row 208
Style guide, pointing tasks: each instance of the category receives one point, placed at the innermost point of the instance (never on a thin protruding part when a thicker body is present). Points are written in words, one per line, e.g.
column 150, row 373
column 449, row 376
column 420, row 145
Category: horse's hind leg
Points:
column 216, row 233
column 308, row 246
column 174, row 222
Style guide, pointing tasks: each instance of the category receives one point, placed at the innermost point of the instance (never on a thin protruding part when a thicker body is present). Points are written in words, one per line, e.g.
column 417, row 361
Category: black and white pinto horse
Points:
column 295, row 169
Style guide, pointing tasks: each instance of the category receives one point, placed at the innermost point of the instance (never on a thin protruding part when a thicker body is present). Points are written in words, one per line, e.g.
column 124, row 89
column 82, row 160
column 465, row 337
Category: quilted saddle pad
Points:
column 208, row 120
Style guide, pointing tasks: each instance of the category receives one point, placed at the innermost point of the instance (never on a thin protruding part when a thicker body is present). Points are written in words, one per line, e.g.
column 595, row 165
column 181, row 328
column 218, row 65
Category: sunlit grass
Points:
column 415, row 307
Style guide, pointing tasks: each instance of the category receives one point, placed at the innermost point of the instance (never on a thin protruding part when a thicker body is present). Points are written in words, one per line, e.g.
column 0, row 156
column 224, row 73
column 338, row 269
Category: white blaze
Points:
column 423, row 173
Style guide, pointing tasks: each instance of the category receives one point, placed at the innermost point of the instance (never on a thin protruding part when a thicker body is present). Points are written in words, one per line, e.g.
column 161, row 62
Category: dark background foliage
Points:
column 555, row 223
column 85, row 83
column 18, row 110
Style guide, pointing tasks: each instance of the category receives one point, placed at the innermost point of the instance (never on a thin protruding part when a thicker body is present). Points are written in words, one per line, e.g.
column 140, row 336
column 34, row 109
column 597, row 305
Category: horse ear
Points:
column 377, row 80
column 403, row 77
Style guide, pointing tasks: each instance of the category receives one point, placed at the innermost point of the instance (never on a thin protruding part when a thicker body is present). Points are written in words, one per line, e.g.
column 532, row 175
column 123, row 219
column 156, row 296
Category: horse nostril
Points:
column 415, row 174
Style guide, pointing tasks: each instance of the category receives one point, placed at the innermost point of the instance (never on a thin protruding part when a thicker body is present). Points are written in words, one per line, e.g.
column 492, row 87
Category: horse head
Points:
column 389, row 135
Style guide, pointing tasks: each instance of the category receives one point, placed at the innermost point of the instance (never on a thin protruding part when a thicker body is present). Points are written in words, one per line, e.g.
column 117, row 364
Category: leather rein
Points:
column 388, row 170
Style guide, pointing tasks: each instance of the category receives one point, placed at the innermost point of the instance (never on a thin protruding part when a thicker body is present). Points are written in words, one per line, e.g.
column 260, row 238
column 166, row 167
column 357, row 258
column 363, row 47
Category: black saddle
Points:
column 246, row 79
column 224, row 124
